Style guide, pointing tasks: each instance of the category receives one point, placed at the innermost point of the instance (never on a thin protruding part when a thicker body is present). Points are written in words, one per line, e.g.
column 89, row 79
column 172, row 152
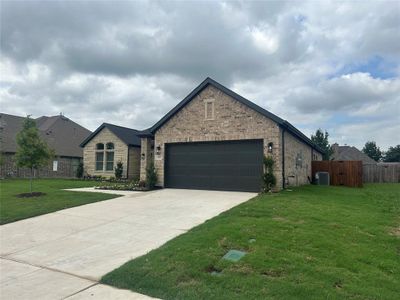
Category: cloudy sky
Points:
column 333, row 65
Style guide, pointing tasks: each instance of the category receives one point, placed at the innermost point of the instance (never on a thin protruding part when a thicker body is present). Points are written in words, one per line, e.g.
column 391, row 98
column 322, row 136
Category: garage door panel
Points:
column 233, row 165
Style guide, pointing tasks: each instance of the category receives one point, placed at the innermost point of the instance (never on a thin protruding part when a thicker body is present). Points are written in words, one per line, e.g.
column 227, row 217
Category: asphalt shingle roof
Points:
column 128, row 135
column 61, row 134
column 350, row 153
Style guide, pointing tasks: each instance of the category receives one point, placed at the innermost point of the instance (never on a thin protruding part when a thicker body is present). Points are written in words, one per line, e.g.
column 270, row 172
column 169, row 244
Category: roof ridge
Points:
column 121, row 127
column 283, row 123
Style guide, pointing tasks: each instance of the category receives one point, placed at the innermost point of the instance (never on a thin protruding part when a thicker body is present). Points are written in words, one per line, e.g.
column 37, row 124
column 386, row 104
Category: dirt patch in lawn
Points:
column 30, row 195
column 395, row 231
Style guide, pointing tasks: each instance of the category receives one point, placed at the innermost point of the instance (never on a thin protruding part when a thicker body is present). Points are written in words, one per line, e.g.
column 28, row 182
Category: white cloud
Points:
column 130, row 62
column 264, row 39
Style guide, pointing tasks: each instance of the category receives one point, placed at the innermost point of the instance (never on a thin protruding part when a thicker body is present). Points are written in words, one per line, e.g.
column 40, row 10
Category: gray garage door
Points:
column 231, row 166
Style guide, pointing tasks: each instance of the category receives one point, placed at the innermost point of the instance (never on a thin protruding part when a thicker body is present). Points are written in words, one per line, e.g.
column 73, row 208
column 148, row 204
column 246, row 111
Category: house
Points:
column 108, row 145
column 60, row 133
column 350, row 153
column 216, row 139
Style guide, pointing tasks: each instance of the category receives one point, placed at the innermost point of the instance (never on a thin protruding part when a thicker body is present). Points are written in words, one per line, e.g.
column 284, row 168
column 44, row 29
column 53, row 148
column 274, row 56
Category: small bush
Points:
column 79, row 170
column 269, row 179
column 151, row 176
column 142, row 183
column 118, row 170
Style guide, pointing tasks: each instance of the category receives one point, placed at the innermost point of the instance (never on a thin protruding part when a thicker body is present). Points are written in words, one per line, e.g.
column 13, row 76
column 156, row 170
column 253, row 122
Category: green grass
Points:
column 311, row 243
column 14, row 209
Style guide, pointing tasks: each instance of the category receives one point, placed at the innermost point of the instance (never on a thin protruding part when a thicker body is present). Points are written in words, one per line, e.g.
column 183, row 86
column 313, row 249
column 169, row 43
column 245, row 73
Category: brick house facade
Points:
column 231, row 118
column 60, row 133
column 100, row 158
column 215, row 139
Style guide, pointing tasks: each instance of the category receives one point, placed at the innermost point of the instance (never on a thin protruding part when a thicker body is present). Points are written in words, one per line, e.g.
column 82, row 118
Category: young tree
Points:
column 372, row 150
column 32, row 151
column 392, row 155
column 321, row 139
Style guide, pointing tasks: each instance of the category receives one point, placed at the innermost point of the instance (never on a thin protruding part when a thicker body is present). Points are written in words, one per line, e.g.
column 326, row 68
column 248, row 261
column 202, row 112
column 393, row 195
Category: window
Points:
column 99, row 156
column 110, row 157
column 110, row 161
column 105, row 157
column 209, row 109
column 99, row 161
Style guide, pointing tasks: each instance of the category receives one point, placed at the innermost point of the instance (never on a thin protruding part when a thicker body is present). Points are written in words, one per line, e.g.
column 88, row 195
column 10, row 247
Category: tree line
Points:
column 321, row 139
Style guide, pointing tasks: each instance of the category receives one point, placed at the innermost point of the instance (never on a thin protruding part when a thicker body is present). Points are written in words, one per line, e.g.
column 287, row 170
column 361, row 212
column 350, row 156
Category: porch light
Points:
column 270, row 147
column 158, row 150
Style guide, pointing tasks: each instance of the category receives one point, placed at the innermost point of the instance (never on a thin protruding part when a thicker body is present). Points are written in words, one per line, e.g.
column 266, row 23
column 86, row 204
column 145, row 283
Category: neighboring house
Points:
column 213, row 139
column 60, row 133
column 350, row 153
column 108, row 145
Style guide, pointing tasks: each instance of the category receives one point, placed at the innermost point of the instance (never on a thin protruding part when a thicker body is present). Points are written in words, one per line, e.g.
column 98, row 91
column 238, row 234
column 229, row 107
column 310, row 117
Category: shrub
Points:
column 79, row 170
column 142, row 184
column 151, row 176
column 269, row 179
column 118, row 170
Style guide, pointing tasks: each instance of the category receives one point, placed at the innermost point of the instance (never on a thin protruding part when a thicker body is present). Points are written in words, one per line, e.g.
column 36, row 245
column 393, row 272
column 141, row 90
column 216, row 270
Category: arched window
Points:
column 99, row 157
column 109, row 157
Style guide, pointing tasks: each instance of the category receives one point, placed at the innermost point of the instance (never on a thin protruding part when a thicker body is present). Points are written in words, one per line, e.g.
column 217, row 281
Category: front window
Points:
column 110, row 161
column 105, row 157
column 99, row 161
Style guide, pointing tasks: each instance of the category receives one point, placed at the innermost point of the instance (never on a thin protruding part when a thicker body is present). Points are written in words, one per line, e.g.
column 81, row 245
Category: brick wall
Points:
column 232, row 121
column 298, row 156
column 120, row 153
column 66, row 168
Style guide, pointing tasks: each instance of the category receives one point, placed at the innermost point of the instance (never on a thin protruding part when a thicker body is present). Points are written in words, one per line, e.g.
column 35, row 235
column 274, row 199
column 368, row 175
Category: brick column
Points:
column 145, row 156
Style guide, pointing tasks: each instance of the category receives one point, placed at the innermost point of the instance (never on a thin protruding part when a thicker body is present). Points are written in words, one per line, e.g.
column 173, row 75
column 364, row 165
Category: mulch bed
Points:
column 30, row 195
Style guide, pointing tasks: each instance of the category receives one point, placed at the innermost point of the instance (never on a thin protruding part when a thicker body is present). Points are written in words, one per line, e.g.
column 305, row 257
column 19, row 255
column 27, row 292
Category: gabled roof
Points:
column 60, row 133
column 128, row 135
column 350, row 153
column 208, row 81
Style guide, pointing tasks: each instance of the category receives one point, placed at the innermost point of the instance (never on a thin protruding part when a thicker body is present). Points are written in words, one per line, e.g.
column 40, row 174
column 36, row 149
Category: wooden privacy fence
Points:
column 382, row 173
column 346, row 173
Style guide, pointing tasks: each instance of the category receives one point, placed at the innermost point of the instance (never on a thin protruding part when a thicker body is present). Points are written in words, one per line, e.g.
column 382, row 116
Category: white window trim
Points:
column 209, row 102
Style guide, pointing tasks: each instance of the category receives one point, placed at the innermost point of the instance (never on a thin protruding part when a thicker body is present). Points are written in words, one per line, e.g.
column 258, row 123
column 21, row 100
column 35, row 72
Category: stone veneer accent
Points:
column 147, row 156
column 120, row 153
column 134, row 162
column 232, row 121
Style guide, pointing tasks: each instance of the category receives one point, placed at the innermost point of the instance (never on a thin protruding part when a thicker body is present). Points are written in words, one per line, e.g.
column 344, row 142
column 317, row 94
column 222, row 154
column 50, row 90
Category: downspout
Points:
column 283, row 158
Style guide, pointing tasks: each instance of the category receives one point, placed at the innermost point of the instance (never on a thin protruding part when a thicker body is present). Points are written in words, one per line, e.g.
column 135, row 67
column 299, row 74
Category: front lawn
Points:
column 13, row 208
column 309, row 243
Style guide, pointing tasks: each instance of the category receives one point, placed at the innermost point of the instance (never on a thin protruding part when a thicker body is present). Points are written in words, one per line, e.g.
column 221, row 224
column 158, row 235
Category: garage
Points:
column 227, row 165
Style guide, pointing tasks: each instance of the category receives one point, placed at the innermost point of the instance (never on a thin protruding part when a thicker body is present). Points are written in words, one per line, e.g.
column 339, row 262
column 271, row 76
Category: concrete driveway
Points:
column 64, row 254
